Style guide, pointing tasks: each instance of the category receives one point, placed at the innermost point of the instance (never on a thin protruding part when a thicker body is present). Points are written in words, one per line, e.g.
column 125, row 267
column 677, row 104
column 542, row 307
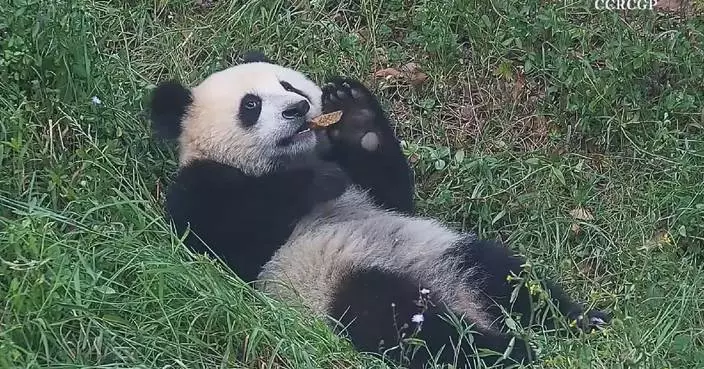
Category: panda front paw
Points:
column 362, row 120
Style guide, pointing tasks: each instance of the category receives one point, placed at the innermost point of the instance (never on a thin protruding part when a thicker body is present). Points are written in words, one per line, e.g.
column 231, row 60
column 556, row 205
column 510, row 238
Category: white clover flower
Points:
column 424, row 291
column 418, row 318
column 96, row 100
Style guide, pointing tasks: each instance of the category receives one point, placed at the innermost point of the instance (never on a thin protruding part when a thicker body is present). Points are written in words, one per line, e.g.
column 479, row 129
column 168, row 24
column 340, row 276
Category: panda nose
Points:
column 296, row 110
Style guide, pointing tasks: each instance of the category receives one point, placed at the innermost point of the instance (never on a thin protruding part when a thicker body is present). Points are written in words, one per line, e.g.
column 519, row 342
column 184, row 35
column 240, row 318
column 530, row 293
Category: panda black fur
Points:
column 327, row 218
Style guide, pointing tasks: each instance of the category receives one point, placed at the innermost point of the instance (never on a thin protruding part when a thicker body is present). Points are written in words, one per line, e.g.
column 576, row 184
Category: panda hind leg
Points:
column 364, row 144
column 496, row 262
column 376, row 308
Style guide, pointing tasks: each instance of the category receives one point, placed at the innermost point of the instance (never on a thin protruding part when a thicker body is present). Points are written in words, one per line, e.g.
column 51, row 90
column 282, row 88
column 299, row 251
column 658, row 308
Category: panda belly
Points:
column 349, row 235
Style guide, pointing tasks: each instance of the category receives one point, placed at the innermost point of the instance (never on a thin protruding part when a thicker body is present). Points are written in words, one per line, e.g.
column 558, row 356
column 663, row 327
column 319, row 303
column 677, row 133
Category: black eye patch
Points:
column 288, row 87
column 250, row 108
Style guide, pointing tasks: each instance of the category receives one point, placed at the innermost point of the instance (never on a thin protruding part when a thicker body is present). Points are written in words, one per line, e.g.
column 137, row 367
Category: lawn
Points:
column 575, row 134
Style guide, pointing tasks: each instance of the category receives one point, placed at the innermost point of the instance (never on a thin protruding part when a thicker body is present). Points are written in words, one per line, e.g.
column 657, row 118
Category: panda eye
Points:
column 249, row 110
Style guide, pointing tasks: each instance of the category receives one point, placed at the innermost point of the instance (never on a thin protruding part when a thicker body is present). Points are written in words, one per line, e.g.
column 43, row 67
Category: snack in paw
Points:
column 325, row 120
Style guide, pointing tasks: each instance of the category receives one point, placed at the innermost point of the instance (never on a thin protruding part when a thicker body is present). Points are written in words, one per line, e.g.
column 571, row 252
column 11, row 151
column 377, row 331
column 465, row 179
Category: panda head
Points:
column 251, row 116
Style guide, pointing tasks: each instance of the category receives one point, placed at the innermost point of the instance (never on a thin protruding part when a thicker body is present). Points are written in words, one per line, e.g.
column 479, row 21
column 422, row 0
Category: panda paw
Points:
column 362, row 120
column 592, row 320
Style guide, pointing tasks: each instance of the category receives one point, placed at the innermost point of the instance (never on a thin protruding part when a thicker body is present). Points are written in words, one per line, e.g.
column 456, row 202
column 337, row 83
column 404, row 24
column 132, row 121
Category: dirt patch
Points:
column 205, row 4
column 501, row 112
column 670, row 5
column 685, row 8
column 493, row 113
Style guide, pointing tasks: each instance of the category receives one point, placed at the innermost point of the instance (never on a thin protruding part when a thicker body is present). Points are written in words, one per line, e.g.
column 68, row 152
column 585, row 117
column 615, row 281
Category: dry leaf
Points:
column 418, row 78
column 388, row 73
column 414, row 74
column 409, row 72
column 326, row 120
column 581, row 214
column 410, row 68
column 576, row 229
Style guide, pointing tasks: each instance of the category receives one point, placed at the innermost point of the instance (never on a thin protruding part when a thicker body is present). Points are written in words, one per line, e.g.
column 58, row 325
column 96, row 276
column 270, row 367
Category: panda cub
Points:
column 326, row 218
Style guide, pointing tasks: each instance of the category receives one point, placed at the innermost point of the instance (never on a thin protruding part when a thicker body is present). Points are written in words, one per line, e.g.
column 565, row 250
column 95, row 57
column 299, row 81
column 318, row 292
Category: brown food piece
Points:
column 325, row 120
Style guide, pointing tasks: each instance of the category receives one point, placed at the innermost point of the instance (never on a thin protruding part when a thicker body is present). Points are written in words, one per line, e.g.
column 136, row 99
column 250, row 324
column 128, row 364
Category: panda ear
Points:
column 253, row 56
column 168, row 106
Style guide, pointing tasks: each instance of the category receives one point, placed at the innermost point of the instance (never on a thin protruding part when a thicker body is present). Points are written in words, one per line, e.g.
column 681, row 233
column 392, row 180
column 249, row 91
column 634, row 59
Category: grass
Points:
column 531, row 110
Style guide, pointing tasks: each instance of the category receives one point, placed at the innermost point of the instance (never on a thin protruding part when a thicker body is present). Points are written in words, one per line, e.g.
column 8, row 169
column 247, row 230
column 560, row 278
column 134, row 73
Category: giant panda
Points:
column 325, row 219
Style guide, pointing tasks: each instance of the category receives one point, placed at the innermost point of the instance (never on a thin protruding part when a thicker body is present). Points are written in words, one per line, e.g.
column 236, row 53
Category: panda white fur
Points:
column 326, row 218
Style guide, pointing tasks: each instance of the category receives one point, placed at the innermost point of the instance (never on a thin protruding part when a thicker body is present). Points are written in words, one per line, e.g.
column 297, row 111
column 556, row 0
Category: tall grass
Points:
column 530, row 111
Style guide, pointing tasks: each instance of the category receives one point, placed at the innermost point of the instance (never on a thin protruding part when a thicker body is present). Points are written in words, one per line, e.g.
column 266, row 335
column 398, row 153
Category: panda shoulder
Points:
column 201, row 175
column 202, row 184
column 210, row 184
